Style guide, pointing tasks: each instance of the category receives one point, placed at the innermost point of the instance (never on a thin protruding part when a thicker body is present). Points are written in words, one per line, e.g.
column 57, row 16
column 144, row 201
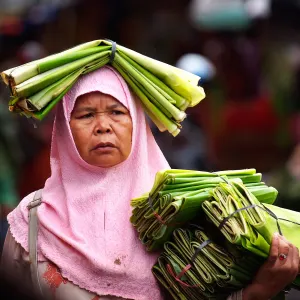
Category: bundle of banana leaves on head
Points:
column 165, row 92
column 177, row 196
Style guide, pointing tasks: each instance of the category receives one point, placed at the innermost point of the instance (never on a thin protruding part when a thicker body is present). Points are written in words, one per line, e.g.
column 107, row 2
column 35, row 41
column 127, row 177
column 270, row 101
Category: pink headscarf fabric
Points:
column 84, row 225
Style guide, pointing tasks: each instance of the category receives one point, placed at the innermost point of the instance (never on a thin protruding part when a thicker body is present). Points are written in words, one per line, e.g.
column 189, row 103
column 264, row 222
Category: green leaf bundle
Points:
column 177, row 196
column 210, row 262
column 246, row 222
column 165, row 92
column 212, row 272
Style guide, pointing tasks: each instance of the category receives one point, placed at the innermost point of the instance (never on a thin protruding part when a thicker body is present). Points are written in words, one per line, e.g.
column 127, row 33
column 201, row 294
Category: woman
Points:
column 103, row 155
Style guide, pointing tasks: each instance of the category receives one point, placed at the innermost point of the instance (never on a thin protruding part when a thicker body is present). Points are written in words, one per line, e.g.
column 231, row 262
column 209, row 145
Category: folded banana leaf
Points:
column 165, row 92
column 212, row 272
column 192, row 265
column 246, row 222
column 253, row 227
column 177, row 196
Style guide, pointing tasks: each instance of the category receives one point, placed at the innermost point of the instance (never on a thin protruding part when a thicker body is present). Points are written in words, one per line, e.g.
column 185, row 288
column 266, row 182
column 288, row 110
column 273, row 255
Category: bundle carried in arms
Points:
column 246, row 222
column 164, row 91
column 194, row 266
column 224, row 245
column 177, row 196
column 214, row 230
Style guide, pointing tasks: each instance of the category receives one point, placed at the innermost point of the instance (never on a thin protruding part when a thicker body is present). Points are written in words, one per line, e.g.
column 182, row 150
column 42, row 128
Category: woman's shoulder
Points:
column 23, row 204
column 18, row 221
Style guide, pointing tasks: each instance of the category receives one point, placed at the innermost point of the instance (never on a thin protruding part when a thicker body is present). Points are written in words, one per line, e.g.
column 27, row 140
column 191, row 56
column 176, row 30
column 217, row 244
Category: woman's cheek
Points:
column 81, row 139
column 129, row 140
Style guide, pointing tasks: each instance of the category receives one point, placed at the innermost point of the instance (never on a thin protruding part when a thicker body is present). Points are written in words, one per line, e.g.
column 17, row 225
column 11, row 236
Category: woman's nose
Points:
column 102, row 125
column 101, row 130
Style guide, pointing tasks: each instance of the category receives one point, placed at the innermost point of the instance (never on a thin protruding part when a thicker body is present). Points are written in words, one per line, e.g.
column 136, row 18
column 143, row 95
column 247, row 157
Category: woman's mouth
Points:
column 104, row 147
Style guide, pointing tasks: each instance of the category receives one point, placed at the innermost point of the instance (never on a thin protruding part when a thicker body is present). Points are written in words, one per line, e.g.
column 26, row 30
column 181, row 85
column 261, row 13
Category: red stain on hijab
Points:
column 53, row 277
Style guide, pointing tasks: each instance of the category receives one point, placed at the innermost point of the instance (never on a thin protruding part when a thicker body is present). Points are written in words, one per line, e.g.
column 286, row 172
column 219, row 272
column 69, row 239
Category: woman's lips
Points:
column 104, row 147
column 104, row 150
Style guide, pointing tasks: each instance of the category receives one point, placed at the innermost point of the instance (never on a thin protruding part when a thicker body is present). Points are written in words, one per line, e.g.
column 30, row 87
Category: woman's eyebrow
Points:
column 85, row 109
column 116, row 105
column 93, row 109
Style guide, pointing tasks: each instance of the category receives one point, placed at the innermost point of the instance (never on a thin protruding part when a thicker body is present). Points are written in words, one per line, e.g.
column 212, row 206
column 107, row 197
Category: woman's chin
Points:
column 105, row 162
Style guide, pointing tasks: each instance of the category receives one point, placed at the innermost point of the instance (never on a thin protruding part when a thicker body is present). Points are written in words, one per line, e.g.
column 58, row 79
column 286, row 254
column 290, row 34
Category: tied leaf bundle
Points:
column 164, row 91
column 177, row 196
column 193, row 266
column 246, row 222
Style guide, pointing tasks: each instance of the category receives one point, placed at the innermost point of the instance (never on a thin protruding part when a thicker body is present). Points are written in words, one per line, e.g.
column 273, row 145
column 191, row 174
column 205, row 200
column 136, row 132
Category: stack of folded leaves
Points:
column 165, row 92
column 246, row 222
column 195, row 266
column 177, row 196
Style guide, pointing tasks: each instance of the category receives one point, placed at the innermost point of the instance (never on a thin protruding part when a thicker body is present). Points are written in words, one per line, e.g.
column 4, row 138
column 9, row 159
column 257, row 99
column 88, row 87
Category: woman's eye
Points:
column 117, row 112
column 86, row 116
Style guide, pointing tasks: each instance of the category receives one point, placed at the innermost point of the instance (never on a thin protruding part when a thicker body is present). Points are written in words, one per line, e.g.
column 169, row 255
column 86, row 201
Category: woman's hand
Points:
column 276, row 273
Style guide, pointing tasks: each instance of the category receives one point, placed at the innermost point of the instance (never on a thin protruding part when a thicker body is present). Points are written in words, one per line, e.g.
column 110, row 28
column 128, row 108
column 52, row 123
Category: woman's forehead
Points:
column 97, row 99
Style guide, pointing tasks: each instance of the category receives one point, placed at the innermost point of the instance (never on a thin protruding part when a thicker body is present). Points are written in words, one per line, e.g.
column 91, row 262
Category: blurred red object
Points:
column 243, row 134
column 11, row 25
column 255, row 116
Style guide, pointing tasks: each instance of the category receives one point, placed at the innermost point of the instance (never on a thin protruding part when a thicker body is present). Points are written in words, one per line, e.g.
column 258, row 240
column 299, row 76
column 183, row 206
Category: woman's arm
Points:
column 275, row 274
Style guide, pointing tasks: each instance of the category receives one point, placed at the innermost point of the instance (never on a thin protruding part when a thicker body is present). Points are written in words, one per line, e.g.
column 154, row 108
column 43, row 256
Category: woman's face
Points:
column 102, row 129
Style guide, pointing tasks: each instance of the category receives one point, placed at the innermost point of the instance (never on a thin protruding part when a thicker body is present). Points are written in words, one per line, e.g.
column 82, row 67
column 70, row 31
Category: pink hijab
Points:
column 84, row 218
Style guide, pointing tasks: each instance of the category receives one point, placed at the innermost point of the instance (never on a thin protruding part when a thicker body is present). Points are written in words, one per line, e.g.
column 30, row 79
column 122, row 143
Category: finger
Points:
column 292, row 262
column 274, row 249
column 292, row 252
column 285, row 251
column 296, row 259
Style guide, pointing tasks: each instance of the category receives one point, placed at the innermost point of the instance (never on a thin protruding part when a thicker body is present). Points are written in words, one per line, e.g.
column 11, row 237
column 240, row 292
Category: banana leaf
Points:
column 237, row 202
column 176, row 198
column 254, row 227
column 165, row 92
column 213, row 272
column 246, row 222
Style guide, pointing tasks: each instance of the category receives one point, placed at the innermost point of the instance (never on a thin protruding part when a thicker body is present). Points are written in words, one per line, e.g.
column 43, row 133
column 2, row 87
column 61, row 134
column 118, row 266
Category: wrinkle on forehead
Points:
column 88, row 102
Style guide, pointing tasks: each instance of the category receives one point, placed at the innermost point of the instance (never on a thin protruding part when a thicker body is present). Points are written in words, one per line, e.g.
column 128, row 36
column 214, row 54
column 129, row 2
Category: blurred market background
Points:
column 246, row 51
